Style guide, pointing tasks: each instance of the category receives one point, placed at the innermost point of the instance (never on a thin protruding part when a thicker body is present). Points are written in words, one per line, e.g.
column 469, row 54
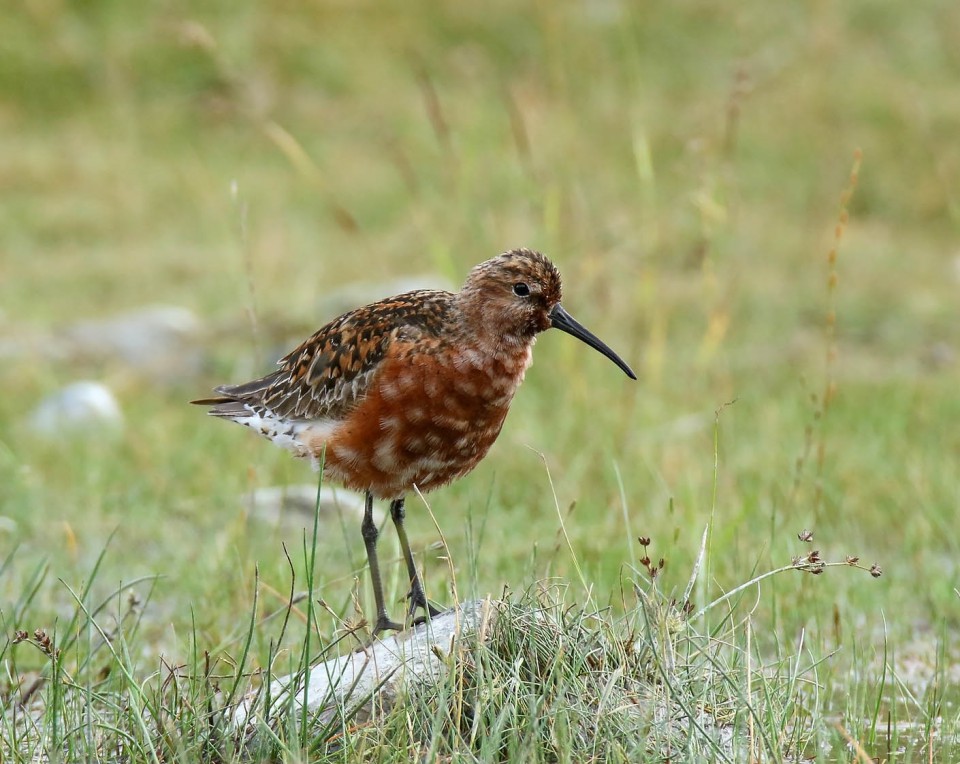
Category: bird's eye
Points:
column 521, row 290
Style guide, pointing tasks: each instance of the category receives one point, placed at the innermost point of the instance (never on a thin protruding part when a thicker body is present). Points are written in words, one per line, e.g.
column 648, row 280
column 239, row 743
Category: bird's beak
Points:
column 560, row 319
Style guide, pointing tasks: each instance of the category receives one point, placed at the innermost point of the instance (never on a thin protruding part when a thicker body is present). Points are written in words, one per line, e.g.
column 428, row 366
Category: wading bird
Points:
column 409, row 392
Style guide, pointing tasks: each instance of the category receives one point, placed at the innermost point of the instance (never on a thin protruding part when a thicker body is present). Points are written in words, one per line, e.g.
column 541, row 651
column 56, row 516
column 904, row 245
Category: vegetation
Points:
column 689, row 167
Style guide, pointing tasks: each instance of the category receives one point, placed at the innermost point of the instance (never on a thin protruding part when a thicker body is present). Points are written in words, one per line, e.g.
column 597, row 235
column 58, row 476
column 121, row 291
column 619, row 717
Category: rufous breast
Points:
column 427, row 419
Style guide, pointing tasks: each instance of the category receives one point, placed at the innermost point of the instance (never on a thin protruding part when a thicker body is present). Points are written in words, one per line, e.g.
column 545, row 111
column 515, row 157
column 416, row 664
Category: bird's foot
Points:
column 384, row 624
column 418, row 601
column 422, row 619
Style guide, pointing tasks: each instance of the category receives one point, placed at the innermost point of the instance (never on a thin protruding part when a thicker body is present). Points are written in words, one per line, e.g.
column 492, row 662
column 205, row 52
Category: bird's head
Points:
column 516, row 295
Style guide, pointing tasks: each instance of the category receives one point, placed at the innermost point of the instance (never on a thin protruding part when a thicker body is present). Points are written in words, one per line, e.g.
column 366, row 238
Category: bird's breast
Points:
column 427, row 420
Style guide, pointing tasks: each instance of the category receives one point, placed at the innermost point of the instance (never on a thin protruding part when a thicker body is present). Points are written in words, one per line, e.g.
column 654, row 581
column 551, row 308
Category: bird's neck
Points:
column 510, row 355
column 483, row 333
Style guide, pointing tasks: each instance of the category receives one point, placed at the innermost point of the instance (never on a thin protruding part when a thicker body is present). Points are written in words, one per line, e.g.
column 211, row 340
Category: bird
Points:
column 409, row 393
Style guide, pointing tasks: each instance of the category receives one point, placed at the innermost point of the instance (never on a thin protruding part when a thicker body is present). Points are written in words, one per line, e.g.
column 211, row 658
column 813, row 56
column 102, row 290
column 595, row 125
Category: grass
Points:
column 684, row 167
column 552, row 681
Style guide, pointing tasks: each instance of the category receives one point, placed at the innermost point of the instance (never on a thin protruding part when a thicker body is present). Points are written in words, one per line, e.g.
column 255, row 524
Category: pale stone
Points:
column 273, row 503
column 375, row 676
column 81, row 408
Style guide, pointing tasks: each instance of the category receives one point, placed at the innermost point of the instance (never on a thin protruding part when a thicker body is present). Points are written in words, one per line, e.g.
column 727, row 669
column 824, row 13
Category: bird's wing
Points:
column 333, row 369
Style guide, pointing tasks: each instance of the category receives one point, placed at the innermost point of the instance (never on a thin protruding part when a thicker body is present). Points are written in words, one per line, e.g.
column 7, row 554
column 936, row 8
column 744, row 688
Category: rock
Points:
column 299, row 502
column 18, row 343
column 77, row 409
column 163, row 343
column 374, row 676
column 159, row 341
column 938, row 356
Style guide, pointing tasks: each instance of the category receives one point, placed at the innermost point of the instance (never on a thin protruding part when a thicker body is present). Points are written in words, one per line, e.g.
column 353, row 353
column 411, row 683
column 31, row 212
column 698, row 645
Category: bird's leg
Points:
column 370, row 533
column 416, row 595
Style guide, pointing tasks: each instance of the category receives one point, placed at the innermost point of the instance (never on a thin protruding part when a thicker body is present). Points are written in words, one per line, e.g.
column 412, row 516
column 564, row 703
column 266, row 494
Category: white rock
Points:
column 159, row 340
column 77, row 409
column 275, row 503
column 376, row 675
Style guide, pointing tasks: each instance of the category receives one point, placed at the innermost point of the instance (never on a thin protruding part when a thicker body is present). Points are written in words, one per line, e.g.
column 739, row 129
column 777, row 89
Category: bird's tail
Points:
column 237, row 400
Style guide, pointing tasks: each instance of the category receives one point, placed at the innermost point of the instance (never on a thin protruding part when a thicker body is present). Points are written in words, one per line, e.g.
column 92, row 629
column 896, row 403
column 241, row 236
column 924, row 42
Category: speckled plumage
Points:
column 411, row 391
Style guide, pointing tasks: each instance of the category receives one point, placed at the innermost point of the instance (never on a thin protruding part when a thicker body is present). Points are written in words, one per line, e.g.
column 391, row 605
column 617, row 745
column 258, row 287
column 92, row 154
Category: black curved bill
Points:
column 560, row 319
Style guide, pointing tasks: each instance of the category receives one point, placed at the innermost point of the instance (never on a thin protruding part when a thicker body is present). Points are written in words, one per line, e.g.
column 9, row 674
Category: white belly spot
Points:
column 302, row 437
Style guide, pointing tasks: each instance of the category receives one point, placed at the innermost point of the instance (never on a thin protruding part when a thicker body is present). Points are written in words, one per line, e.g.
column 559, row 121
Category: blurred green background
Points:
column 683, row 164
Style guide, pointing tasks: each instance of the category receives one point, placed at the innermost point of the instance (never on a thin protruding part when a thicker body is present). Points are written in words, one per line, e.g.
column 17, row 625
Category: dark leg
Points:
column 416, row 596
column 370, row 533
